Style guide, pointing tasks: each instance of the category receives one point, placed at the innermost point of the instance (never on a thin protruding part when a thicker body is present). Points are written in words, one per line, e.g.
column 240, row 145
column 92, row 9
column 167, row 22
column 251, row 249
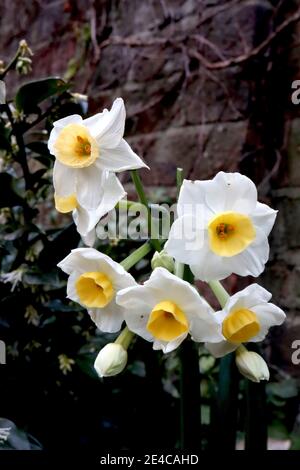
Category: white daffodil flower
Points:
column 94, row 280
column 166, row 309
column 221, row 228
column 85, row 148
column 246, row 317
column 86, row 220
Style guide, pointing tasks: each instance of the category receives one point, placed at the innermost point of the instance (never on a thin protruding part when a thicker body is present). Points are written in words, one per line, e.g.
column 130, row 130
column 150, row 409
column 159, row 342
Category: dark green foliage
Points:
column 30, row 95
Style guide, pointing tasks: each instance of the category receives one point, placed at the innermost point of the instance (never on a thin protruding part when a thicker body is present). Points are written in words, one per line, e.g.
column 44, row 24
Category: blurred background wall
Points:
column 207, row 86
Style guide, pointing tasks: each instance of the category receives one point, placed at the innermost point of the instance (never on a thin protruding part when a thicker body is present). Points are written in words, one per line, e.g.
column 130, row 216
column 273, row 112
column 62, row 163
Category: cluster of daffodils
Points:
column 221, row 229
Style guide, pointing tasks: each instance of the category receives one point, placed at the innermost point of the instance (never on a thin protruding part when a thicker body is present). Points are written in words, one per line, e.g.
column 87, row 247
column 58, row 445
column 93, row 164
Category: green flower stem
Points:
column 179, row 179
column 256, row 419
column 224, row 414
column 219, row 291
column 179, row 269
column 11, row 64
column 190, row 398
column 143, row 199
column 20, row 156
column 125, row 205
column 224, row 420
column 125, row 338
column 241, row 349
column 136, row 256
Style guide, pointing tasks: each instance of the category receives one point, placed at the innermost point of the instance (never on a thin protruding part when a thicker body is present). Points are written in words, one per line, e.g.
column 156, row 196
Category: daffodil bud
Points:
column 251, row 365
column 23, row 65
column 162, row 260
column 111, row 360
column 24, row 48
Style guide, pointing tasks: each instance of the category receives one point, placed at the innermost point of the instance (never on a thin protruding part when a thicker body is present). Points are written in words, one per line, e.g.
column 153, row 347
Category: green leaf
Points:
column 36, row 277
column 285, row 389
column 33, row 93
column 16, row 438
column 36, row 177
column 8, row 196
column 60, row 244
column 57, row 305
column 39, row 148
column 4, row 137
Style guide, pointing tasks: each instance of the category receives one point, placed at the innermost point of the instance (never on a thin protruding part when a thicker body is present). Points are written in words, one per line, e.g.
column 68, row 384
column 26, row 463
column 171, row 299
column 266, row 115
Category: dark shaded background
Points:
column 207, row 86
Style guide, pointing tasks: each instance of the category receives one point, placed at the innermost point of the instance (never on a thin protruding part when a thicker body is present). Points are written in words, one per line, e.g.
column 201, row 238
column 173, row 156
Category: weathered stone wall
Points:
column 181, row 111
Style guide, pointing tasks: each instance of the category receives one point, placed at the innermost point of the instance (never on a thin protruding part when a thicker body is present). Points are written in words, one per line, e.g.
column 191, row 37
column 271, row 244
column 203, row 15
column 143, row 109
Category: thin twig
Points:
column 233, row 61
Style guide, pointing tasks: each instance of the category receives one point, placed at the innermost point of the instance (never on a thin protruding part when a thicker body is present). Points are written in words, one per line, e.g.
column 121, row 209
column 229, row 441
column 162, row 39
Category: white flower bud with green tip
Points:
column 111, row 360
column 251, row 365
column 162, row 260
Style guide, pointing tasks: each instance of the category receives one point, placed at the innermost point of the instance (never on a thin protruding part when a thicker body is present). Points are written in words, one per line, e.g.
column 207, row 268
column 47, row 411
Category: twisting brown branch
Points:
column 251, row 54
column 138, row 41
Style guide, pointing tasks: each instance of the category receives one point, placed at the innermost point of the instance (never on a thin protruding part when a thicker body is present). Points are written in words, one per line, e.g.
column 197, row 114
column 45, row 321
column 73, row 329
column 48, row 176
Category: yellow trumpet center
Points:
column 75, row 147
column 240, row 326
column 95, row 289
column 65, row 204
column 167, row 321
column 230, row 233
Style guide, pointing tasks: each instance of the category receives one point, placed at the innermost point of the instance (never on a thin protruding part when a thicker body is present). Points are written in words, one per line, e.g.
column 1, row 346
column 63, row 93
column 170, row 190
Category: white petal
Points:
column 83, row 219
column 264, row 217
column 120, row 158
column 162, row 285
column 71, row 289
column 88, row 259
column 208, row 266
column 221, row 349
column 168, row 346
column 268, row 315
column 186, row 240
column 251, row 262
column 52, row 139
column 113, row 192
column 202, row 329
column 138, row 304
column 247, row 298
column 90, row 238
column 89, row 186
column 86, row 220
column 95, row 123
column 111, row 125
column 231, row 192
column 108, row 319
column 212, row 268
column 192, row 194
column 74, row 118
column 64, row 179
